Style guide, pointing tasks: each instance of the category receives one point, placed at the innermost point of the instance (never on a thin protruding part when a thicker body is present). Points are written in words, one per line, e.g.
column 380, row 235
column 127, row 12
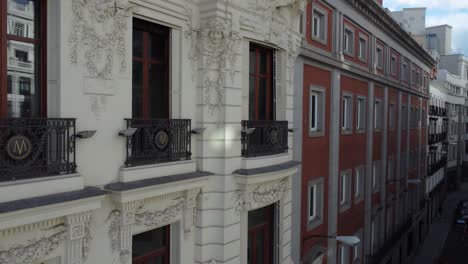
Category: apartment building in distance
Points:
column 365, row 99
column 452, row 80
column 137, row 131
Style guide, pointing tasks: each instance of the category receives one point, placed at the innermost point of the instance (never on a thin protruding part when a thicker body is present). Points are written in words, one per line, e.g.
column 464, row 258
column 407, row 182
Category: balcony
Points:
column 158, row 141
column 263, row 138
column 36, row 147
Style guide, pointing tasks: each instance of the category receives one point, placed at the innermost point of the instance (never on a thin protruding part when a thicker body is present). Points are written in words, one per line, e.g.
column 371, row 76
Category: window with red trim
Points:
column 261, row 88
column 23, row 34
column 150, row 79
column 152, row 246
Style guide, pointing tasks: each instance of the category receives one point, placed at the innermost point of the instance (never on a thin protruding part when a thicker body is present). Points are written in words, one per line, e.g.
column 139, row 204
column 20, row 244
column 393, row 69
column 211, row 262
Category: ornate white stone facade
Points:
column 91, row 80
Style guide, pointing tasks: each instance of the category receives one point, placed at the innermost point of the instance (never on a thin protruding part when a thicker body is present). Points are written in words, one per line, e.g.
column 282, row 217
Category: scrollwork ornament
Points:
column 33, row 252
column 98, row 31
column 216, row 46
column 259, row 195
column 150, row 218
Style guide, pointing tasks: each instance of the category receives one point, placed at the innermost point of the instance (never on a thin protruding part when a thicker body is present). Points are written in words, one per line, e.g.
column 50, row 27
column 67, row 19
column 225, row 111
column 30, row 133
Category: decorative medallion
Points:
column 273, row 136
column 18, row 147
column 161, row 140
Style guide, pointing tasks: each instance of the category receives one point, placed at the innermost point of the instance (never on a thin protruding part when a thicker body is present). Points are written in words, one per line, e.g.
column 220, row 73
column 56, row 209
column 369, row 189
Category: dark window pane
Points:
column 311, row 201
column 21, row 18
column 262, row 99
column 263, row 62
column 157, row 91
column 137, row 100
column 252, row 61
column 137, row 44
column 252, row 109
column 150, row 241
column 260, row 247
column 312, row 114
column 9, row 84
column 157, row 47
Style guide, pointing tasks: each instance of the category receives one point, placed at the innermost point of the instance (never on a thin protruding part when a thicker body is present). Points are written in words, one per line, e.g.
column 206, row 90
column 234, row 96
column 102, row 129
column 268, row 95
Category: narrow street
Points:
column 444, row 243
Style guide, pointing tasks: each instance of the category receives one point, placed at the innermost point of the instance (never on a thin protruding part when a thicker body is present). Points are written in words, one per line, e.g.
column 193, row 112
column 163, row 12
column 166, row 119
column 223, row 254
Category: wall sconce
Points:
column 248, row 131
column 85, row 134
column 128, row 132
column 198, row 131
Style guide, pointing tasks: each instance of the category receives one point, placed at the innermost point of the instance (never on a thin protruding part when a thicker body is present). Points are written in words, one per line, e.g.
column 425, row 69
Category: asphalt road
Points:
column 444, row 242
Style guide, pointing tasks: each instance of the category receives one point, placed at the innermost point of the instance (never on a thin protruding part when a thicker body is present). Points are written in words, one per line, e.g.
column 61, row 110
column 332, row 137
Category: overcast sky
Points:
column 452, row 12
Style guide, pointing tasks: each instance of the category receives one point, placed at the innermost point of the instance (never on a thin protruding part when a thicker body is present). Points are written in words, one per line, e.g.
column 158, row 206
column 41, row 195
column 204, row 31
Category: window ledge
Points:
column 316, row 222
column 344, row 207
column 346, row 132
column 156, row 170
column 361, row 131
column 319, row 133
column 24, row 189
column 319, row 40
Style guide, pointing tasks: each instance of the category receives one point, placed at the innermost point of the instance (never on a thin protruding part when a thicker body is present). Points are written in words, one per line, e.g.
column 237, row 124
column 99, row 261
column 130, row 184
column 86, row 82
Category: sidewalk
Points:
column 439, row 230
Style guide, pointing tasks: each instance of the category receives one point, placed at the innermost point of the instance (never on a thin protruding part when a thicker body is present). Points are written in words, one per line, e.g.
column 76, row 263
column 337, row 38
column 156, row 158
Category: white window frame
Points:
column 393, row 65
column 377, row 114
column 391, row 117
column 322, row 27
column 363, row 49
column 359, row 176
column 361, row 113
column 348, row 40
column 375, row 176
column 405, row 72
column 344, row 254
column 313, row 111
column 319, row 129
column 312, row 215
column 379, row 51
column 347, row 113
column 345, row 190
column 317, row 219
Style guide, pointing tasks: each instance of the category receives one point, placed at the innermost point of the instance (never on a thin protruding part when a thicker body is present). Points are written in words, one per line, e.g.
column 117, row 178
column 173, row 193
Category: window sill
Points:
column 361, row 131
column 358, row 200
column 312, row 224
column 347, row 53
column 319, row 40
column 346, row 132
column 344, row 207
column 319, row 133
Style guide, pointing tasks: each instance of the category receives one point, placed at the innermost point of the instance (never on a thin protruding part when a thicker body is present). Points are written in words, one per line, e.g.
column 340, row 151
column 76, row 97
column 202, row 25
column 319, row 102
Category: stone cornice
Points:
column 375, row 13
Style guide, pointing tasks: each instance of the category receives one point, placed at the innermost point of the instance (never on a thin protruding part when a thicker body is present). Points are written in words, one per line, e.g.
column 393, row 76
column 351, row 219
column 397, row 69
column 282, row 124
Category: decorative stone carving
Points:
column 33, row 252
column 98, row 31
column 98, row 35
column 166, row 215
column 214, row 47
column 259, row 195
column 79, row 237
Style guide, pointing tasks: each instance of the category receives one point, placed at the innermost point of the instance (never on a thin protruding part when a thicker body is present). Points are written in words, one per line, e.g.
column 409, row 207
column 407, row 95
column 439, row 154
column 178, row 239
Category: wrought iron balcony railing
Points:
column 158, row 140
column 262, row 138
column 36, row 147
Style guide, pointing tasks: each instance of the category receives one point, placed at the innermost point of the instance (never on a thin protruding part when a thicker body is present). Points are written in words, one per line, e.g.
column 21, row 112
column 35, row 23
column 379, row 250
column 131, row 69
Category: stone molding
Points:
column 75, row 234
column 181, row 206
column 253, row 196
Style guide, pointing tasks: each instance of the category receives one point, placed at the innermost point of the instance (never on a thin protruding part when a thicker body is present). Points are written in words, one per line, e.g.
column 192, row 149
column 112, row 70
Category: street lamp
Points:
column 350, row 241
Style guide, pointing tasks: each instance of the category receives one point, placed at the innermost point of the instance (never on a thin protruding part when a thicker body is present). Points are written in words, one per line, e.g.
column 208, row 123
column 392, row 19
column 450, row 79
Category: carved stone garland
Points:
column 214, row 47
column 131, row 213
column 99, row 31
column 98, row 35
column 76, row 235
column 259, row 195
